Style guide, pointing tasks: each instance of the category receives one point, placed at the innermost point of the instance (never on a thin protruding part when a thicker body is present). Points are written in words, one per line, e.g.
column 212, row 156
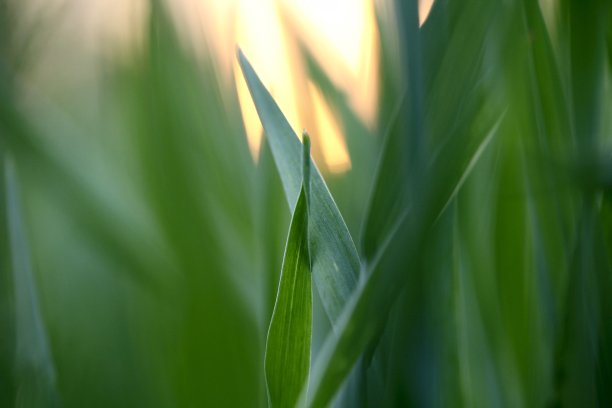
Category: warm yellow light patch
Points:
column 342, row 36
column 329, row 134
column 424, row 9
column 339, row 22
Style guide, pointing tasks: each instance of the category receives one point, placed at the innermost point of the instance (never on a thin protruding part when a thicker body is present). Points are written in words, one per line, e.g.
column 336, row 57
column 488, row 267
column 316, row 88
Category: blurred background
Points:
column 143, row 220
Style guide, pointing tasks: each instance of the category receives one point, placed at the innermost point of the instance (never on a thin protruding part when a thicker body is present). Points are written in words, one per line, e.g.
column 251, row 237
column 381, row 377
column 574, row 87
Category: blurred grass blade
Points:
column 609, row 40
column 288, row 344
column 470, row 166
column 389, row 196
column 588, row 20
column 361, row 321
column 335, row 263
column 404, row 150
column 449, row 80
column 35, row 371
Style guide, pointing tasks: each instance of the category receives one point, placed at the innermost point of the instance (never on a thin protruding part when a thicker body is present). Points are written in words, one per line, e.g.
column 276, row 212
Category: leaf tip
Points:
column 306, row 141
column 242, row 60
column 306, row 162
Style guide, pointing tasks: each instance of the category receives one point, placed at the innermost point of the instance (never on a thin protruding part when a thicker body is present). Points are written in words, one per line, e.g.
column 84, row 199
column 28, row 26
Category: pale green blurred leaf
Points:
column 34, row 367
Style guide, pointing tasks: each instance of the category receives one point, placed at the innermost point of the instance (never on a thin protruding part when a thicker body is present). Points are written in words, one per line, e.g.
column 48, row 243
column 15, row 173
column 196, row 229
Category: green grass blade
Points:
column 35, row 371
column 609, row 40
column 335, row 261
column 587, row 28
column 288, row 344
column 405, row 146
column 470, row 166
column 394, row 247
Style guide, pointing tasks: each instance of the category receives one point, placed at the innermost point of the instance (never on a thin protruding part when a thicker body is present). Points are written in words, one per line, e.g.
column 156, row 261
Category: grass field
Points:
column 151, row 257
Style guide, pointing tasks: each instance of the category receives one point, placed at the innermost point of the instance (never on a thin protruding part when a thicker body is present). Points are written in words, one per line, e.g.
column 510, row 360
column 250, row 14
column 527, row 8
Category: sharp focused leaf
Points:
column 288, row 344
column 335, row 263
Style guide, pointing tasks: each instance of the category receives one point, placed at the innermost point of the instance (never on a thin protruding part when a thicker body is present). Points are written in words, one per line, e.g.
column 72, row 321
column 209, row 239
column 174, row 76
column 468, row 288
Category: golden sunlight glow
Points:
column 260, row 34
column 329, row 134
column 341, row 36
column 424, row 9
column 344, row 41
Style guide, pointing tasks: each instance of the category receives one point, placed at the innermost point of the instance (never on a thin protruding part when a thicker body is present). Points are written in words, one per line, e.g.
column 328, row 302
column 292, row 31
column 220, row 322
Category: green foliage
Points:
column 142, row 261
column 34, row 369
